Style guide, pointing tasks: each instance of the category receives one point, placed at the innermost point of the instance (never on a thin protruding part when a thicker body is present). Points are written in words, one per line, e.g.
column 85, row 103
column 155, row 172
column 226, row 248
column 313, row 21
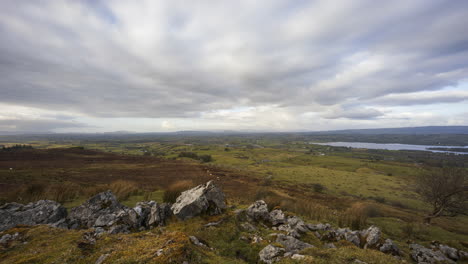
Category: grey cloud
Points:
column 422, row 98
column 179, row 59
column 353, row 113
column 37, row 125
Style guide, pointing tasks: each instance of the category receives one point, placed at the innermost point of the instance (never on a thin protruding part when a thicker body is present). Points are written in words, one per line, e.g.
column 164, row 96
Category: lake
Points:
column 394, row 146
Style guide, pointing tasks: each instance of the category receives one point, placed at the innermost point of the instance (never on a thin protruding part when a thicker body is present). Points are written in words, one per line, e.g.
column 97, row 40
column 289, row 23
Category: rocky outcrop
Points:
column 292, row 244
column 258, row 211
column 104, row 211
column 40, row 212
column 421, row 254
column 271, row 254
column 437, row 252
column 203, row 199
column 152, row 214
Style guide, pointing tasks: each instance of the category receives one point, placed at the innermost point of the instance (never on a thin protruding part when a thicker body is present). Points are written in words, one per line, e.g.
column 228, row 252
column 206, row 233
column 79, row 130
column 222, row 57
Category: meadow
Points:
column 345, row 187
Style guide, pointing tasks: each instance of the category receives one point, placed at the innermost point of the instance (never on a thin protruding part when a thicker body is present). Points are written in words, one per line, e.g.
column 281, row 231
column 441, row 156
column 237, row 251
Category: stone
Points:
column 298, row 257
column 40, row 212
column 258, row 211
column 271, row 254
column 421, row 254
column 388, row 247
column 462, row 255
column 292, row 244
column 117, row 229
column 205, row 198
column 256, row 239
column 297, row 224
column 150, row 213
column 197, row 242
column 277, row 217
column 248, row 227
column 357, row 261
column 449, row 252
column 158, row 215
column 372, row 236
column 329, row 245
column 99, row 210
column 101, row 259
column 353, row 237
column 5, row 239
column 318, row 227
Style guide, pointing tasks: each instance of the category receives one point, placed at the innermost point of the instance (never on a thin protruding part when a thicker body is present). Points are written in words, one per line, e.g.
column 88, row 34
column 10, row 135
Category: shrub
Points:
column 205, row 158
column 378, row 199
column 187, row 154
column 317, row 187
column 173, row 191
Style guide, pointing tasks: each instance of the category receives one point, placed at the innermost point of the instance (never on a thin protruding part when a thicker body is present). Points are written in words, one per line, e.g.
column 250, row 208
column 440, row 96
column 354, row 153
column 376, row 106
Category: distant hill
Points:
column 426, row 130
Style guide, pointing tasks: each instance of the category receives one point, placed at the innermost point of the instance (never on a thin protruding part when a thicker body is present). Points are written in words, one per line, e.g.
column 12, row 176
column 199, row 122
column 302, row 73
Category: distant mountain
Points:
column 426, row 130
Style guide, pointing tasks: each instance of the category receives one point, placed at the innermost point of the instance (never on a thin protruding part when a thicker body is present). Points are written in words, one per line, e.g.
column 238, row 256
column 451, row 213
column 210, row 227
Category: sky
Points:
column 271, row 65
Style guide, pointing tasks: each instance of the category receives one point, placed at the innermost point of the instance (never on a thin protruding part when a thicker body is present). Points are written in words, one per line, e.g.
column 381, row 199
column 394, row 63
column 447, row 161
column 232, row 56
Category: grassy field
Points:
column 359, row 187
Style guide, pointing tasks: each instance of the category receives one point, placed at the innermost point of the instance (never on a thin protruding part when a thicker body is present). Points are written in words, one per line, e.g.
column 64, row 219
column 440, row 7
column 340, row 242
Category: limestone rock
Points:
column 277, row 217
column 99, row 210
column 372, row 236
column 104, row 211
column 40, row 212
column 389, row 247
column 292, row 244
column 449, row 252
column 318, row 227
column 258, row 211
column 271, row 254
column 150, row 213
column 205, row 198
column 421, row 254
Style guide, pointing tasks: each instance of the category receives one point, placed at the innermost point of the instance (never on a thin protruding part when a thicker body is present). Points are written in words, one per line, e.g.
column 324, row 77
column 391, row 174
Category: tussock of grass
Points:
column 175, row 189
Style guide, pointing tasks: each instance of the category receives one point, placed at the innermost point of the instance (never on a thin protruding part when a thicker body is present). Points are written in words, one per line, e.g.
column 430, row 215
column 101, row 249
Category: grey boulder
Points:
column 258, row 211
column 271, row 254
column 421, row 254
column 151, row 213
column 388, row 247
column 104, row 211
column 277, row 217
column 292, row 244
column 372, row 236
column 40, row 212
column 205, row 198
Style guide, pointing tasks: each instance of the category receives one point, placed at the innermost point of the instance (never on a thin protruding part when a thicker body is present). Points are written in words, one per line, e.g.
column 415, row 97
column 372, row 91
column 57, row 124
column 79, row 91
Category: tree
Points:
column 446, row 190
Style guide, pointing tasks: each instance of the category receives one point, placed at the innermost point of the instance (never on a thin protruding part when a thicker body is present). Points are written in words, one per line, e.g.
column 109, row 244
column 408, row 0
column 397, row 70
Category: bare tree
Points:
column 446, row 190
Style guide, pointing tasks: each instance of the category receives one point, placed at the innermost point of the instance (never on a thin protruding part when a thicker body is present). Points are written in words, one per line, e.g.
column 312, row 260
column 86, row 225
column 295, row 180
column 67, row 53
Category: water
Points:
column 393, row 146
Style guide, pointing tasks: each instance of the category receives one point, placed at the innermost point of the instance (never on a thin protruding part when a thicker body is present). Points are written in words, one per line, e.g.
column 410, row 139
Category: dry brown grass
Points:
column 175, row 189
column 123, row 189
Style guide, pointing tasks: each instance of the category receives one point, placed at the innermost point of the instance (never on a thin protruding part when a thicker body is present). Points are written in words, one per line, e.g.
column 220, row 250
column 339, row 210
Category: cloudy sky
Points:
column 95, row 66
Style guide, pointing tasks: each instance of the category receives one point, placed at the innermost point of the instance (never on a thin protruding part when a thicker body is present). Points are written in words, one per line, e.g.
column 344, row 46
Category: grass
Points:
column 358, row 192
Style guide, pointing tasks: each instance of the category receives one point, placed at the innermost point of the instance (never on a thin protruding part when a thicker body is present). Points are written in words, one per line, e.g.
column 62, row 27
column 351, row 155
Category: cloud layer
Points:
column 227, row 64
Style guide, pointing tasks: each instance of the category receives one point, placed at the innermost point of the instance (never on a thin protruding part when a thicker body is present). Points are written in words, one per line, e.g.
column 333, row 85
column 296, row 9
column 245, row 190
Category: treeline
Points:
column 16, row 147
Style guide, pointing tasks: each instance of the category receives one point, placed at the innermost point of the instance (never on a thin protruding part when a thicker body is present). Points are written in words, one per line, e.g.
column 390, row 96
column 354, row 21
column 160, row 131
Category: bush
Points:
column 378, row 199
column 186, row 154
column 205, row 158
column 173, row 191
column 317, row 187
